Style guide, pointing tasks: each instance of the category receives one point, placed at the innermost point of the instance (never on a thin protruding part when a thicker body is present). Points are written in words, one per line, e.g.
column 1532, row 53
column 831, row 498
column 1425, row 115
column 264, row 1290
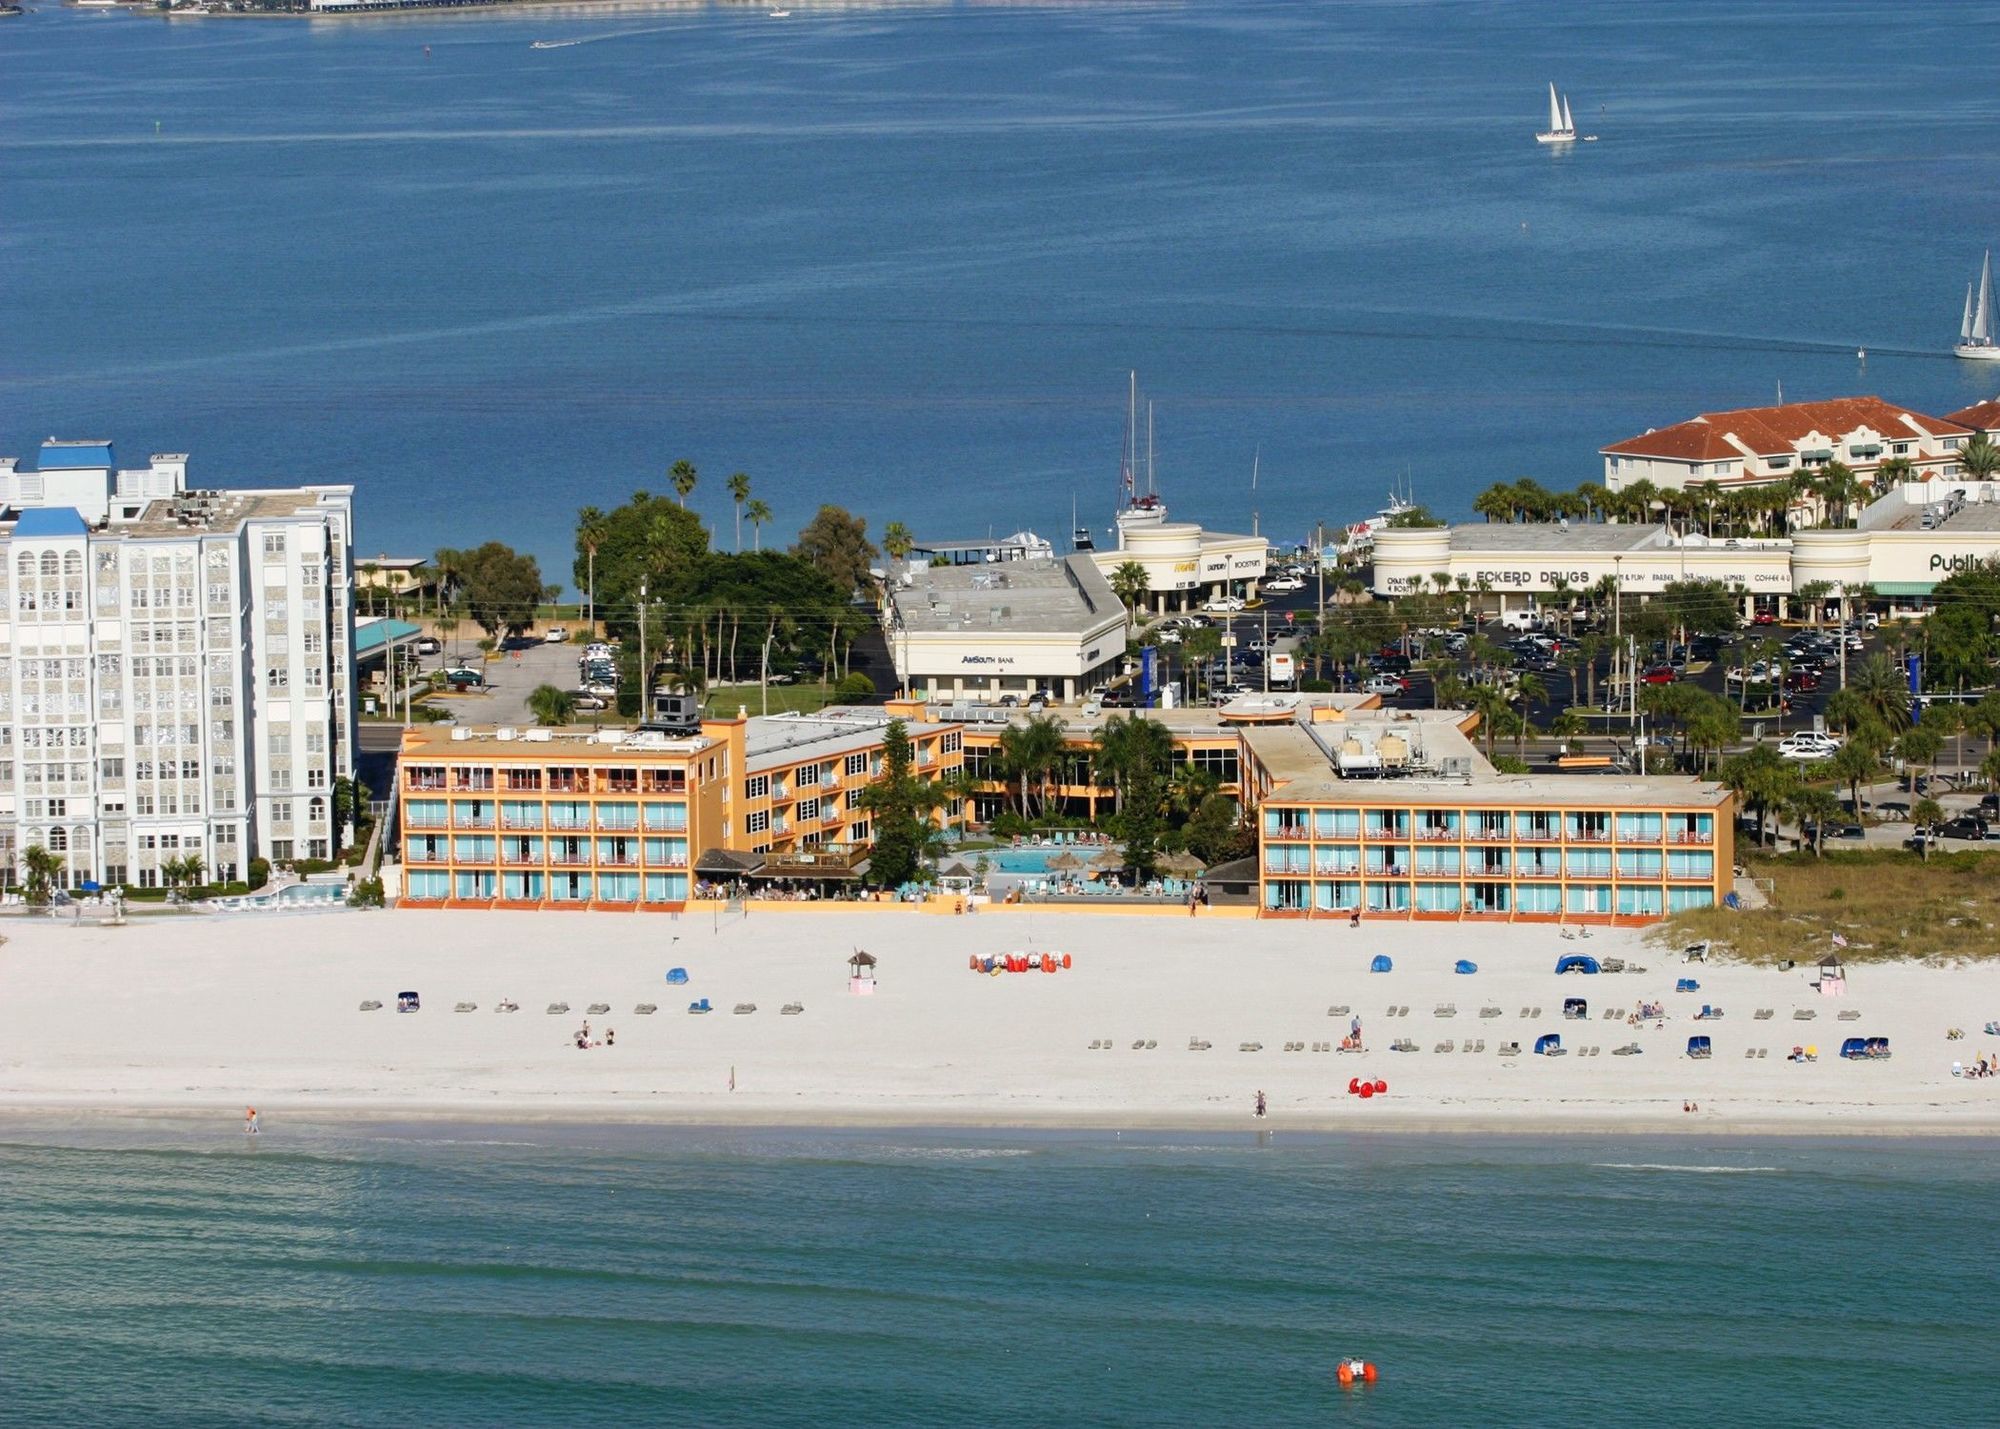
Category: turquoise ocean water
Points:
column 903, row 256
column 437, row 1275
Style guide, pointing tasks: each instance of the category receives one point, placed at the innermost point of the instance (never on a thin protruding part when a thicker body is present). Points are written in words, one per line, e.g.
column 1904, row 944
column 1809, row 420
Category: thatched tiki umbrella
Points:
column 1180, row 863
column 1065, row 862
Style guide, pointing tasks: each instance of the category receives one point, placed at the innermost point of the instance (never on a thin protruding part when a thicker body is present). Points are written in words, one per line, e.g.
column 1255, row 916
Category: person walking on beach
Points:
column 250, row 1121
column 1260, row 1102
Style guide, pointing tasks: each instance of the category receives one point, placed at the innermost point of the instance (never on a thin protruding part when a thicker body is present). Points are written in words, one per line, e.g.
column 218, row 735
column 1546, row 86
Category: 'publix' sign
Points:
column 1954, row 563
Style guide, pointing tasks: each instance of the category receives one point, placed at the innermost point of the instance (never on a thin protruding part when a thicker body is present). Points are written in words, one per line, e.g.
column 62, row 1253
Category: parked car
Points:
column 586, row 701
column 1763, row 617
column 1808, row 745
column 1385, row 685
column 1832, row 831
column 430, row 645
column 1118, row 697
column 1227, row 603
column 465, row 679
column 556, row 635
column 1168, row 635
column 1965, row 826
column 1660, row 675
column 1284, row 583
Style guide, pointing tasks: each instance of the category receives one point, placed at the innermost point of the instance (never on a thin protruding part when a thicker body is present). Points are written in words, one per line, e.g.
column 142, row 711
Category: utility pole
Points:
column 1267, row 649
column 1843, row 634
column 1319, row 563
column 645, row 678
column 1617, row 614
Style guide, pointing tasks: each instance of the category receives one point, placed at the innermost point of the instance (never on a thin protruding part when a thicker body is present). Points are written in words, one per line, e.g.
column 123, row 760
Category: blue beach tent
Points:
column 1699, row 1047
column 1462, row 966
column 1577, row 963
column 1381, row 963
column 677, row 976
column 1546, row 1043
column 1687, row 984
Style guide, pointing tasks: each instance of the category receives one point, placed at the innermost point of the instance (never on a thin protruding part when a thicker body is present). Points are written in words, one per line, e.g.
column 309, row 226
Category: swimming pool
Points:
column 1036, row 860
column 295, row 895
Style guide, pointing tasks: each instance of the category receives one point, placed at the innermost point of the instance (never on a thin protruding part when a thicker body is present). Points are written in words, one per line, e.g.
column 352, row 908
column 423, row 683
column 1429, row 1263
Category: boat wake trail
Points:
column 1685, row 1170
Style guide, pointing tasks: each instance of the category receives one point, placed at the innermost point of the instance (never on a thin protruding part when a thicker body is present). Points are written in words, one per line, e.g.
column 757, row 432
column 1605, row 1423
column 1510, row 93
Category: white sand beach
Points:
column 198, row 1014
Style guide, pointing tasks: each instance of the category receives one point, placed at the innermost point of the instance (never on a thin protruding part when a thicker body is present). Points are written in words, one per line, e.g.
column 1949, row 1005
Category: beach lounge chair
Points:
column 1339, row 1009
column 556, row 1009
column 506, row 1004
column 1536, row 1013
column 1524, row 1014
column 1403, row 1044
column 1848, row 1016
column 1095, row 1043
column 1404, row 1010
column 1489, row 1012
column 1510, row 1049
column 1448, row 1045
column 1195, row 1044
column 1804, row 1014
column 1764, row 1014
column 1612, row 965
column 408, row 1002
column 1445, row 1009
column 1763, row 1052
column 1630, row 1049
column 700, row 1006
column 1249, row 1046
column 1686, row 984
column 791, row 1009
column 371, row 1005
column 1151, row 1044
column 646, row 1009
column 1700, row 1048
column 1749, row 1051
column 466, row 1007
column 598, row 1009
column 1464, row 968
column 1140, row 1045
column 744, row 1009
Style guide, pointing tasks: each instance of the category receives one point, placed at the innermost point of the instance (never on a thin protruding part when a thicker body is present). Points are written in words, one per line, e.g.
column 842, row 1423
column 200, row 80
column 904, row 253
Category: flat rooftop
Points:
column 773, row 740
column 1980, row 517
column 201, row 513
column 1552, row 536
column 1066, row 594
column 446, row 741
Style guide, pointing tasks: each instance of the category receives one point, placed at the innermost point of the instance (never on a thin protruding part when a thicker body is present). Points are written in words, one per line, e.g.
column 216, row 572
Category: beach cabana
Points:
column 1700, row 1047
column 677, row 976
column 1854, row 1047
column 1575, row 1008
column 1548, row 1044
column 1576, row 963
column 861, row 974
column 1381, row 963
column 1832, row 981
column 1464, row 967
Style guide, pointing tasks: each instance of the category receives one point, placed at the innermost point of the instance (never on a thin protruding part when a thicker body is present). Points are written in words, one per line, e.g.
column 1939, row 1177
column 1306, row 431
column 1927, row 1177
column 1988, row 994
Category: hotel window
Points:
column 524, row 779
column 1487, row 897
column 1219, row 762
column 1639, row 863
column 274, row 545
column 1436, row 860
column 808, row 810
column 757, row 786
column 278, row 677
column 856, row 764
column 952, row 742
column 1337, row 823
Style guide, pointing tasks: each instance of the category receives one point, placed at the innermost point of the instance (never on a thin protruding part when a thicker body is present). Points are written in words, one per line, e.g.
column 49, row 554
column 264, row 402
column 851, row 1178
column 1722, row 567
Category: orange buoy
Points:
column 1065, row 959
column 1368, row 1372
column 1354, row 1086
column 1345, row 1374
column 1367, row 1090
column 974, row 961
column 1381, row 1087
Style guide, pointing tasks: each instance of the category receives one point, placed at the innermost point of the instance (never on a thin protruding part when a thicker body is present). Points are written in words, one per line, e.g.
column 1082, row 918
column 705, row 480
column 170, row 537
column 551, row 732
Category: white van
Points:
column 1282, row 669
column 1520, row 620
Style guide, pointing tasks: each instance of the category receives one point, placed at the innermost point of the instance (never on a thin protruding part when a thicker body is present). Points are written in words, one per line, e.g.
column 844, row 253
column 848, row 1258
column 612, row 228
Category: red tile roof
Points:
column 1776, row 431
column 1983, row 415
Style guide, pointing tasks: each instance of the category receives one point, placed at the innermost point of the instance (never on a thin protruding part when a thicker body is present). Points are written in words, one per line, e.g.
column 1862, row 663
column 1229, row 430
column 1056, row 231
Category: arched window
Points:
column 316, row 809
column 25, row 563
column 72, row 563
column 58, row 840
column 51, row 564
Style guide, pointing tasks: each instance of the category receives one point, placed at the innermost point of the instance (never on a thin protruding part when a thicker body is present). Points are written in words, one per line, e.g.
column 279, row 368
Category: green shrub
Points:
column 260, row 872
column 366, row 894
column 856, row 686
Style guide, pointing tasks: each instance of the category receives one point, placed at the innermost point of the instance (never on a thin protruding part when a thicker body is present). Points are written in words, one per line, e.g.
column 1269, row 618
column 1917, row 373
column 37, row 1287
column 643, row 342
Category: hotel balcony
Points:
column 521, row 821
column 1689, row 836
column 432, row 783
column 1293, row 833
column 1529, row 835
column 472, row 821
column 522, row 860
column 652, row 783
column 580, row 859
column 425, row 821
column 630, row 860
column 474, row 784
column 418, row 855
column 1429, row 835
column 1589, row 836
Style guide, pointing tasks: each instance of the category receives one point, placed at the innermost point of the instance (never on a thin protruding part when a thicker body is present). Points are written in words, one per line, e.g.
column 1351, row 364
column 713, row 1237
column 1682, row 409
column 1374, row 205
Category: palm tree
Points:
column 1129, row 583
column 1126, row 747
column 1813, row 805
column 1919, row 748
column 1853, row 762
column 591, row 529
column 1757, row 777
column 1926, row 814
column 1989, row 770
column 43, row 869
column 449, row 565
column 448, row 620
column 682, row 477
column 1894, row 471
column 368, row 571
column 1884, row 692
column 192, row 865
column 550, row 705
column 756, row 512
column 897, row 540
column 739, row 492
column 1980, row 457
column 1029, row 753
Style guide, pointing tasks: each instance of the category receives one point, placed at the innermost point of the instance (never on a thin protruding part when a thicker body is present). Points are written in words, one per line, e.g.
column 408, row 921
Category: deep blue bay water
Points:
column 169, row 1274
column 901, row 257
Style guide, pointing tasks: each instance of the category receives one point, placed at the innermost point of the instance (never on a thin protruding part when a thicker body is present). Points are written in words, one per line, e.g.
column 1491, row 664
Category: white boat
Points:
column 553, row 44
column 781, row 14
column 1562, row 128
column 1975, row 328
column 1361, row 535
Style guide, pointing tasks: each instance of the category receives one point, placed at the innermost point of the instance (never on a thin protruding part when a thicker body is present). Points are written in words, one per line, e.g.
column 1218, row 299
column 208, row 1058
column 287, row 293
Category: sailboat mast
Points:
column 1982, row 318
column 1965, row 323
column 1568, row 124
column 1149, row 446
column 1555, row 110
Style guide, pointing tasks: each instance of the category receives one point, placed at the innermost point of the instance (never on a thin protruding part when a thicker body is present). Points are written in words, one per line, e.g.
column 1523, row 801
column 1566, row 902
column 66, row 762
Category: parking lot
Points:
column 510, row 677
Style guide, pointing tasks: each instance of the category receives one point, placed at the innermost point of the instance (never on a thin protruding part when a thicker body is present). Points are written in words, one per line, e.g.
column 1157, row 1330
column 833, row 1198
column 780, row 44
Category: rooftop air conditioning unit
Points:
column 460, row 733
column 536, row 736
column 505, row 732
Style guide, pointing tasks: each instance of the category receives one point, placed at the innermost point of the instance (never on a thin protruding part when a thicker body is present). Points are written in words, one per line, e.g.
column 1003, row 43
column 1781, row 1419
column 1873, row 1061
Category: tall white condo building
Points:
column 176, row 671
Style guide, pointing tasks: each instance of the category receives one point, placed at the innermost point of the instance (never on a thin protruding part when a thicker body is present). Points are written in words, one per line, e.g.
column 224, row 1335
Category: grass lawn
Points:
column 1887, row 903
column 806, row 697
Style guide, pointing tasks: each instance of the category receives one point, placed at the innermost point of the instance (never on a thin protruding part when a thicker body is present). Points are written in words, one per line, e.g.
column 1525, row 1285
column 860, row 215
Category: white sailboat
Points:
column 1136, row 507
column 1562, row 128
column 1975, row 328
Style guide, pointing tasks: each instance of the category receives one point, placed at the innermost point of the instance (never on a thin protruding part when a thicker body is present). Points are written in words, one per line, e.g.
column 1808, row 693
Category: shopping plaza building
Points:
column 175, row 667
column 1901, row 545
column 1395, row 814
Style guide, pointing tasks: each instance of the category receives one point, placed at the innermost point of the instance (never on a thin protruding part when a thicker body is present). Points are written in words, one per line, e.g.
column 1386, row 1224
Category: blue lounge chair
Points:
column 1687, row 984
column 1699, row 1047
column 701, row 1006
